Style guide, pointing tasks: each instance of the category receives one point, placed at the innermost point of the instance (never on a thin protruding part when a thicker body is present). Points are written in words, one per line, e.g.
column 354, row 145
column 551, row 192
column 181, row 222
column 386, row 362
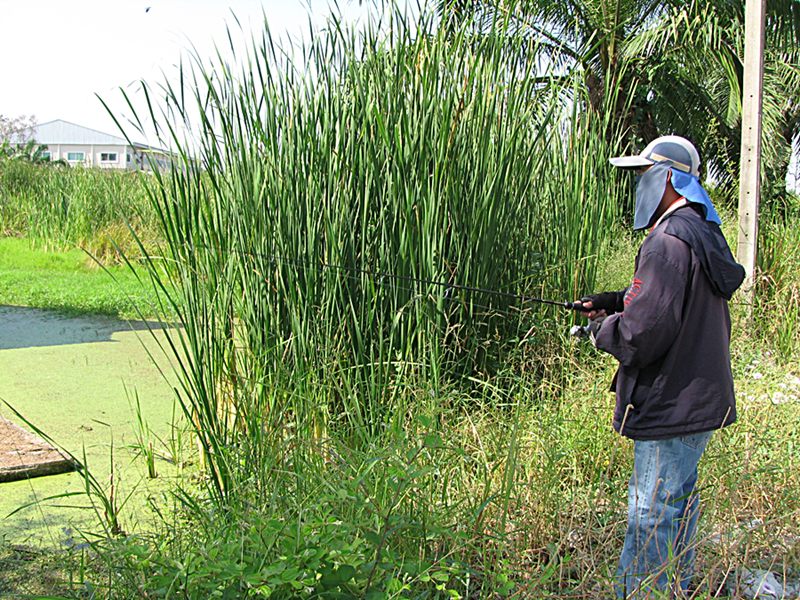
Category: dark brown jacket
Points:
column 672, row 337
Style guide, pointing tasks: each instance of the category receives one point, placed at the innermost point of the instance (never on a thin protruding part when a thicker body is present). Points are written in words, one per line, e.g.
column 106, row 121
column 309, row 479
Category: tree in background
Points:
column 706, row 56
column 667, row 66
column 17, row 129
column 17, row 142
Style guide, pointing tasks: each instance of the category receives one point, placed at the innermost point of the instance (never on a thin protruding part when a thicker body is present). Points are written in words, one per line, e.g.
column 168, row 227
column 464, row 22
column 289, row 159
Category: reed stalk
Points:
column 404, row 149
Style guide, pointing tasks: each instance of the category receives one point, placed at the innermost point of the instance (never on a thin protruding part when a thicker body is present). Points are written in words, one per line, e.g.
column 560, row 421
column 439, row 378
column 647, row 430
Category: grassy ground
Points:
column 551, row 526
column 69, row 281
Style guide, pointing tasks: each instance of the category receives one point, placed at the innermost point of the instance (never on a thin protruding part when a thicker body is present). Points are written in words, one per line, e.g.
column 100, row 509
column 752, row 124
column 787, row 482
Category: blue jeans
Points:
column 663, row 507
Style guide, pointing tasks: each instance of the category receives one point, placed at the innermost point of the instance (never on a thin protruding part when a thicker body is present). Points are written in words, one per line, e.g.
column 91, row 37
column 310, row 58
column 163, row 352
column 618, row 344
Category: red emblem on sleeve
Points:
column 633, row 291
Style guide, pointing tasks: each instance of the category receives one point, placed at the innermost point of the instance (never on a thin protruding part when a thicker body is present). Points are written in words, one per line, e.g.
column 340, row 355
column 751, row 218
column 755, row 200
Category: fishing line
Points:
column 380, row 277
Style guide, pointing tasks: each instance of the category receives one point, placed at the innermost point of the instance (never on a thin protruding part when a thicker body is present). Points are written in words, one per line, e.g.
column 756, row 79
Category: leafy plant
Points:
column 345, row 532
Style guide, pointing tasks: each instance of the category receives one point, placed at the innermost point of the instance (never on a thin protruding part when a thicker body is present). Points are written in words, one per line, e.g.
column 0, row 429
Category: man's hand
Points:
column 587, row 331
column 591, row 311
column 594, row 326
column 600, row 305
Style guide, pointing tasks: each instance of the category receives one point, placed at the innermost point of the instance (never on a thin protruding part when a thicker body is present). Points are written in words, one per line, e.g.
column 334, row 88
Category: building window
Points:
column 74, row 156
column 129, row 156
column 108, row 157
column 45, row 155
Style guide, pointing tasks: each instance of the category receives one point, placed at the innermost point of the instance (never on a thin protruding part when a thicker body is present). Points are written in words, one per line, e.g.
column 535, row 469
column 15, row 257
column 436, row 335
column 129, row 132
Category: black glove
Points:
column 610, row 302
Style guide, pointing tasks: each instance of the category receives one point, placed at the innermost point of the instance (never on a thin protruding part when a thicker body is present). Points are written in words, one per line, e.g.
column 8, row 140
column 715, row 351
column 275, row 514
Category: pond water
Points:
column 78, row 380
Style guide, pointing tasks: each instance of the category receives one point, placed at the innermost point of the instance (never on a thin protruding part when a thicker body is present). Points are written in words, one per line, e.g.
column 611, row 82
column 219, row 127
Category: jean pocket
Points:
column 696, row 440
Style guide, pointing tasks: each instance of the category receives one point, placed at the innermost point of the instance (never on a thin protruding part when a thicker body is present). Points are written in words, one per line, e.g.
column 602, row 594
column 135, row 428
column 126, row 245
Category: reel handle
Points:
column 579, row 331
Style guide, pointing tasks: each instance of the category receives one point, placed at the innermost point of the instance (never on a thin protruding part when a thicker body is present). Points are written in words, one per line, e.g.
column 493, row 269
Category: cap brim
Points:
column 630, row 162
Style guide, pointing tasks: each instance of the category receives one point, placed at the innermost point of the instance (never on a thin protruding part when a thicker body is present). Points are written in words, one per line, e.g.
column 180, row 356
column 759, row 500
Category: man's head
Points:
column 679, row 152
column 655, row 165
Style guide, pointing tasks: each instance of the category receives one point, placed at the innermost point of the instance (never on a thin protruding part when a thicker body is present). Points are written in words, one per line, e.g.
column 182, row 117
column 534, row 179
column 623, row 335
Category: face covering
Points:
column 650, row 188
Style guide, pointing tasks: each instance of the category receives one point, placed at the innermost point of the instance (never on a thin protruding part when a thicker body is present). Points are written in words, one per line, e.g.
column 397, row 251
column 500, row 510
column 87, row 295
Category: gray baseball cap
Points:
column 674, row 149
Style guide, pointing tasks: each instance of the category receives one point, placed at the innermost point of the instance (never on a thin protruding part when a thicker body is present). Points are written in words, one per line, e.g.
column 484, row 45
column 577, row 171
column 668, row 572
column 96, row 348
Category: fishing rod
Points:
column 576, row 331
column 449, row 287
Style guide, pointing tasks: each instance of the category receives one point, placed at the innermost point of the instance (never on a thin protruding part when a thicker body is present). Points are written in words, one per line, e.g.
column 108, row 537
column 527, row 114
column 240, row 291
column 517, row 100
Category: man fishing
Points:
column 670, row 331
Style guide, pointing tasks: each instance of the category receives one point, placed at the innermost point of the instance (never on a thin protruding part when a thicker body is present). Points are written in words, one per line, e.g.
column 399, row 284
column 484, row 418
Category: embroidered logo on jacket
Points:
column 633, row 291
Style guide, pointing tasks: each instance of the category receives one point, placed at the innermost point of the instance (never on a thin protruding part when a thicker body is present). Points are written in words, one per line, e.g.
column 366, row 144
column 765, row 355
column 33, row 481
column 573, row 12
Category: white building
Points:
column 78, row 145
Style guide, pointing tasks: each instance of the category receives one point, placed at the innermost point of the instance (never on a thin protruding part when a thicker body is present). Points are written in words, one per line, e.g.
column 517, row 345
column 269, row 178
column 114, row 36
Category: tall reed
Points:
column 60, row 207
column 778, row 298
column 402, row 149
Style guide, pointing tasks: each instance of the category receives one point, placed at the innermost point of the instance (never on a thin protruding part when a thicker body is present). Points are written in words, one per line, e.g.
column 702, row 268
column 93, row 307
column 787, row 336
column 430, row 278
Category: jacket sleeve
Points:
column 620, row 298
column 653, row 306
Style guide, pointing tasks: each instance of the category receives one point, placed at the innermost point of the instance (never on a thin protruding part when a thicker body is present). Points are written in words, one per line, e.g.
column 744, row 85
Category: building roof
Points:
column 64, row 132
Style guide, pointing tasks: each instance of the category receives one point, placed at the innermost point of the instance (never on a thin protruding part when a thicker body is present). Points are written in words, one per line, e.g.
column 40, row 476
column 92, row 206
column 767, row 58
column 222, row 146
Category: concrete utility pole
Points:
column 750, row 172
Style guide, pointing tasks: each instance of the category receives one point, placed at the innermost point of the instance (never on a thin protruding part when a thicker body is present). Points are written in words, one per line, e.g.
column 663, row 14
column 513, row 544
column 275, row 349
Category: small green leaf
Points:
column 372, row 537
column 346, row 573
column 433, row 440
column 425, row 420
column 441, row 576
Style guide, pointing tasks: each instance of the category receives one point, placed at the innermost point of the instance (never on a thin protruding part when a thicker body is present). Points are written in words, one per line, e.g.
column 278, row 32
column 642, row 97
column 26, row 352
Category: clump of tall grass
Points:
column 427, row 155
column 59, row 207
column 777, row 308
column 778, row 293
column 318, row 231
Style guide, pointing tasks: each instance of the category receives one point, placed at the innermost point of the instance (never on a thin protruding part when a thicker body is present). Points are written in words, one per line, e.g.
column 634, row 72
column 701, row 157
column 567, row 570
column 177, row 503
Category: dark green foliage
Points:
column 374, row 525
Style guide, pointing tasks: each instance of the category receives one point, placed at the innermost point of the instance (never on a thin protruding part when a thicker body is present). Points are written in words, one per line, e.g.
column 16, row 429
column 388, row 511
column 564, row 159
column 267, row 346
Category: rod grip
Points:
column 576, row 306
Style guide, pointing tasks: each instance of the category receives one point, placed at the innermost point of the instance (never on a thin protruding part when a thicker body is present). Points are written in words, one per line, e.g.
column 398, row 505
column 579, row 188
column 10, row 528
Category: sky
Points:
column 57, row 55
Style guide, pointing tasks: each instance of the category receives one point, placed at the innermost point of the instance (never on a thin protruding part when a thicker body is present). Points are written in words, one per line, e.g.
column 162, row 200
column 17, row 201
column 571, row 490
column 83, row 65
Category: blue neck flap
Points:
column 689, row 187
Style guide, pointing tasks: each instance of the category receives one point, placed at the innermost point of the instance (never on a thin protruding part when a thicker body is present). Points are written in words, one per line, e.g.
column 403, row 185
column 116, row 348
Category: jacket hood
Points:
column 709, row 245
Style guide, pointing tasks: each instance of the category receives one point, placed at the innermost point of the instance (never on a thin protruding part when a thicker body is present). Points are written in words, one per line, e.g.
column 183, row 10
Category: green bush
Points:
column 374, row 525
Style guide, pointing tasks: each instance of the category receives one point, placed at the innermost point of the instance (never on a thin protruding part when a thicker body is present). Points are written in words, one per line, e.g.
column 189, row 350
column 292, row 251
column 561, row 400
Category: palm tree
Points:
column 587, row 37
column 667, row 66
column 705, row 53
